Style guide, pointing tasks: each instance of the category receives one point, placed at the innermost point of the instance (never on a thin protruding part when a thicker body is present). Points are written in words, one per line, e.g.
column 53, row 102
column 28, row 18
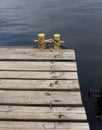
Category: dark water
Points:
column 78, row 21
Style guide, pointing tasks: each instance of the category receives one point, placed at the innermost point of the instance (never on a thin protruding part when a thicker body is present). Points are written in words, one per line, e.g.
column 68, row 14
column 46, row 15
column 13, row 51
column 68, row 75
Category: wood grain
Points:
column 39, row 84
column 43, row 113
column 40, row 97
column 38, row 75
column 8, row 125
column 39, row 66
column 31, row 54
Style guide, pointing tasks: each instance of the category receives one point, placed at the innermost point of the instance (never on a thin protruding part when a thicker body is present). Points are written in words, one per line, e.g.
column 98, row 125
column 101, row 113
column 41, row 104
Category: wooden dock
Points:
column 39, row 90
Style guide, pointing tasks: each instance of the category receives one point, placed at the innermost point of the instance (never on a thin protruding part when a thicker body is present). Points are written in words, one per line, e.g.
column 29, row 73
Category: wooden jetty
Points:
column 39, row 90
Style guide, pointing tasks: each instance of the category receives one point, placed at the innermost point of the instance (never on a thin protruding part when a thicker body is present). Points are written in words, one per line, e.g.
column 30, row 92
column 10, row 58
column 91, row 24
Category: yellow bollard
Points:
column 57, row 37
column 41, row 37
column 57, row 40
column 41, row 40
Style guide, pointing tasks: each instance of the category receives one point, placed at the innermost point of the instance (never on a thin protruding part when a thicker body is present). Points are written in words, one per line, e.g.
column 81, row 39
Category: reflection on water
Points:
column 80, row 24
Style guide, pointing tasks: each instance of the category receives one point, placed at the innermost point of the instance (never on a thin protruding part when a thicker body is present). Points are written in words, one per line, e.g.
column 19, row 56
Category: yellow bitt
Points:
column 41, row 40
column 49, row 43
column 57, row 41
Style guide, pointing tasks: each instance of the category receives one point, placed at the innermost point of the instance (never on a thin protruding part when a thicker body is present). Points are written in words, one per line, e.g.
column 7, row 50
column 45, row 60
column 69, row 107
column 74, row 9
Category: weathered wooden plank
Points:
column 32, row 53
column 8, row 125
column 46, row 66
column 40, row 97
column 38, row 75
column 43, row 113
column 39, row 84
